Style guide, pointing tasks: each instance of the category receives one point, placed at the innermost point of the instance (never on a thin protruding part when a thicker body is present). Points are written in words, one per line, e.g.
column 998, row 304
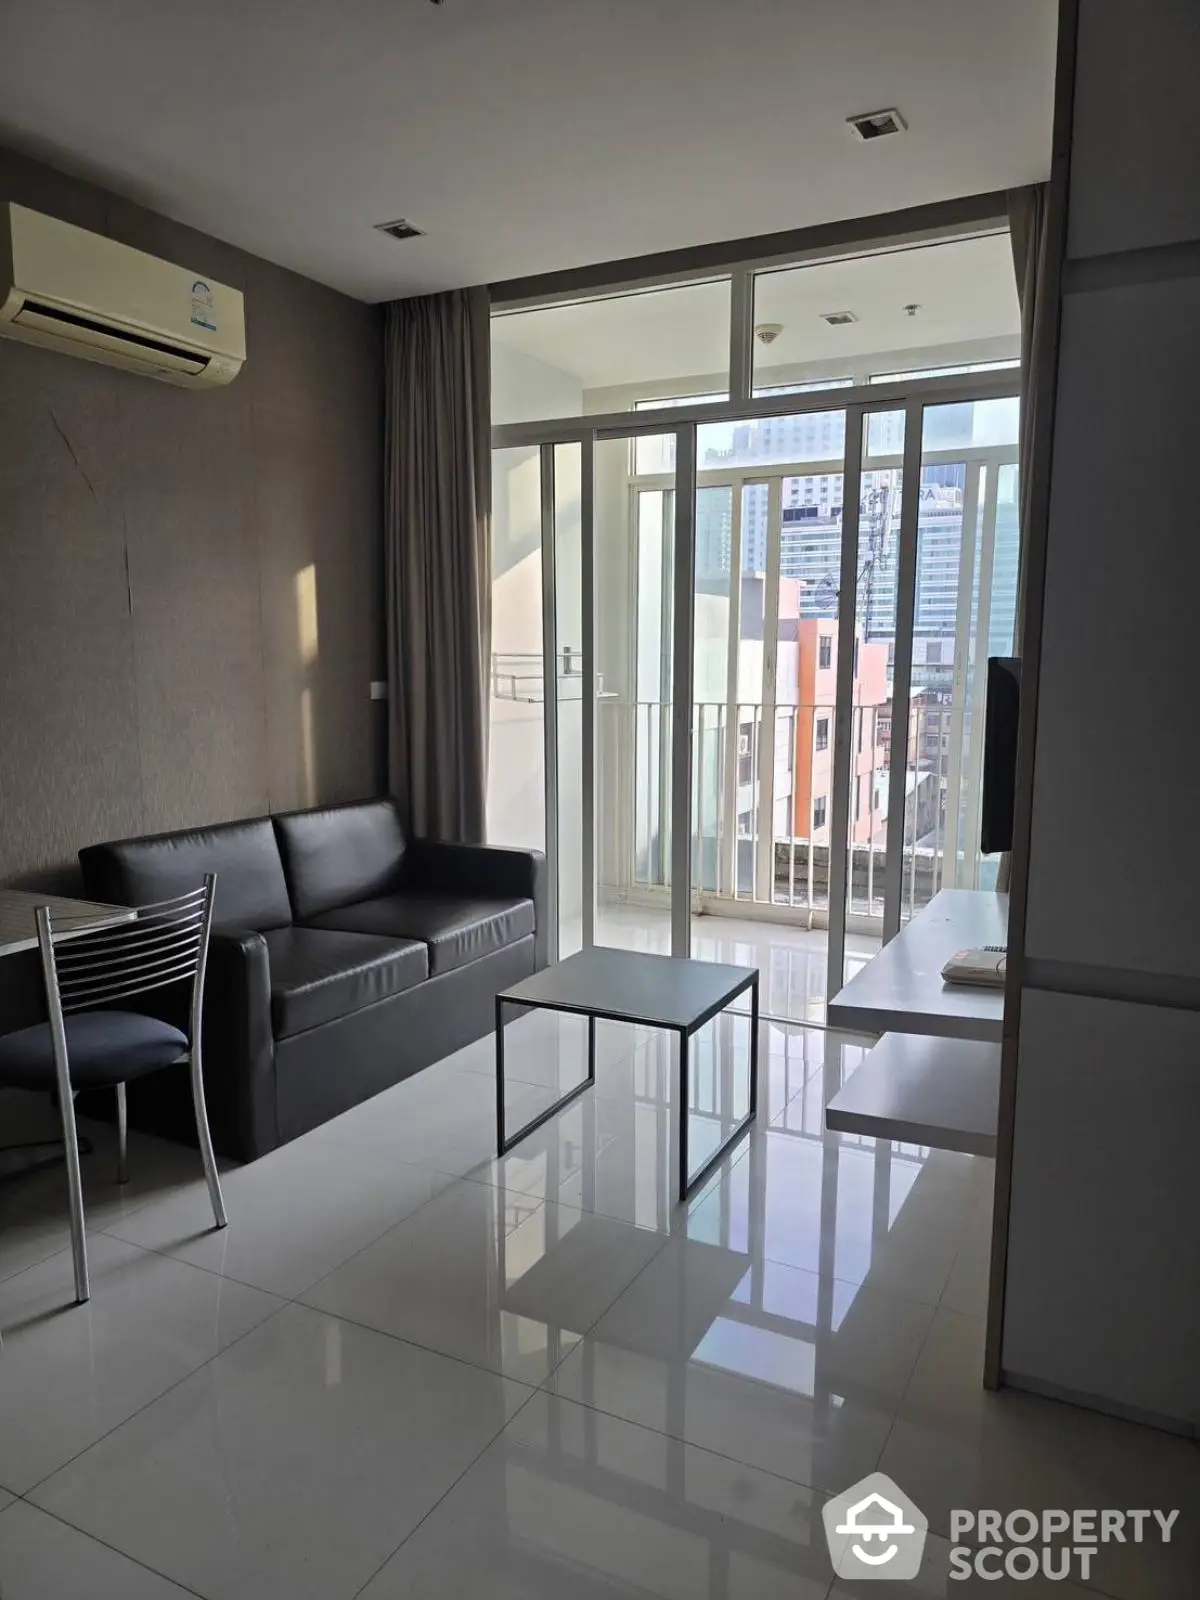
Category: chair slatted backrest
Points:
column 166, row 943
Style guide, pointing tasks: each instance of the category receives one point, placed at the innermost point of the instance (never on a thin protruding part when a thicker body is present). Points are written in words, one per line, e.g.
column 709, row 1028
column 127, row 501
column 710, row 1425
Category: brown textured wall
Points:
column 162, row 553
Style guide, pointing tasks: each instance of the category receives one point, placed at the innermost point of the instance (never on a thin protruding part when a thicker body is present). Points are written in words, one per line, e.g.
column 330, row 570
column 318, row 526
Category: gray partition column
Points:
column 1099, row 1271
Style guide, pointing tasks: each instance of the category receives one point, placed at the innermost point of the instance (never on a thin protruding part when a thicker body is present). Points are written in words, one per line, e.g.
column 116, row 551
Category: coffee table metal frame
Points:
column 594, row 1014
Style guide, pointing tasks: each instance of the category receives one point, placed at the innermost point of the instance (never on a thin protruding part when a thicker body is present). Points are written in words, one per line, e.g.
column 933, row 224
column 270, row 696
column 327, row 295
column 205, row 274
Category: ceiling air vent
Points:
column 838, row 319
column 877, row 124
column 400, row 229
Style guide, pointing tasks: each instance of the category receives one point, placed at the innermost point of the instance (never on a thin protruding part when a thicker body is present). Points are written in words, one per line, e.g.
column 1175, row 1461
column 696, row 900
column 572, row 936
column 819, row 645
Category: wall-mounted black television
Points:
column 1002, row 711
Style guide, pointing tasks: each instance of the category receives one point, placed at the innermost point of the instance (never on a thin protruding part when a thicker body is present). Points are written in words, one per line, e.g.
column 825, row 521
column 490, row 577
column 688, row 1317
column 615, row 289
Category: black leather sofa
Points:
column 344, row 958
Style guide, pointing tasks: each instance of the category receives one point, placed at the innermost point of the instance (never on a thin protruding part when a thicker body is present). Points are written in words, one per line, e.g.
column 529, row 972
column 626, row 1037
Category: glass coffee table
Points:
column 668, row 992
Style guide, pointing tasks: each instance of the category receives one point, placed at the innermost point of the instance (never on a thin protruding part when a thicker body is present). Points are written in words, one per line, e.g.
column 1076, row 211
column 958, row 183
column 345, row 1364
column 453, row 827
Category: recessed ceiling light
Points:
column 876, row 124
column 838, row 319
column 400, row 229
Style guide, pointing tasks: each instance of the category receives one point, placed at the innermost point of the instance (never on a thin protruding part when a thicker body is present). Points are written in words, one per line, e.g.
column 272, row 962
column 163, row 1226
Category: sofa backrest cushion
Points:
column 339, row 855
column 251, row 888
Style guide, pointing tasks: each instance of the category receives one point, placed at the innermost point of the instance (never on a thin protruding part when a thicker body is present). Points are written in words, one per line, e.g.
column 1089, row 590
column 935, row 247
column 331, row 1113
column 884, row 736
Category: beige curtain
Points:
column 1027, row 227
column 437, row 536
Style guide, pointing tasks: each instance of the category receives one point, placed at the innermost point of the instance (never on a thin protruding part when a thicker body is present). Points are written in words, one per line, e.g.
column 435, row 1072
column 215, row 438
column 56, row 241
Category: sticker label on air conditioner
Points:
column 202, row 306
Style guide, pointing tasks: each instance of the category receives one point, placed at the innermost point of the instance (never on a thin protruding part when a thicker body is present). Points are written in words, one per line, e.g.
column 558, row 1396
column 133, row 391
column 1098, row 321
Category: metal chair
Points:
column 87, row 1044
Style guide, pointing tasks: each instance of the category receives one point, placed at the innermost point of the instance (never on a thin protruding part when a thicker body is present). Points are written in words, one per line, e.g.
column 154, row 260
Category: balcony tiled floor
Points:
column 409, row 1369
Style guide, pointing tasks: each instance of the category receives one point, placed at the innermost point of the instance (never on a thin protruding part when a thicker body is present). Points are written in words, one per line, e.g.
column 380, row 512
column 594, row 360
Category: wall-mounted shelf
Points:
column 919, row 1090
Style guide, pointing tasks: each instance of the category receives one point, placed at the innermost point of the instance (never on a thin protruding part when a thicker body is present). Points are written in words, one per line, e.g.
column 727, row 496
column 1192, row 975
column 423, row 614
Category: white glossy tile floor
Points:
column 409, row 1369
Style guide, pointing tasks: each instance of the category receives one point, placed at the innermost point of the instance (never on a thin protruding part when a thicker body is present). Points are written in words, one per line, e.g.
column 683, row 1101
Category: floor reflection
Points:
column 572, row 1502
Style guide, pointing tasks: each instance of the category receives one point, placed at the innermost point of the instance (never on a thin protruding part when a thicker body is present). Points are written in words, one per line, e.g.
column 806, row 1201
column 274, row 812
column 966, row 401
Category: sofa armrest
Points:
column 239, row 1045
column 485, row 870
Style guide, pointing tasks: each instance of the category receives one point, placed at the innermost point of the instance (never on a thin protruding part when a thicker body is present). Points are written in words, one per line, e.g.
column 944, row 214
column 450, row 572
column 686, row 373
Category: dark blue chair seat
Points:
column 103, row 1048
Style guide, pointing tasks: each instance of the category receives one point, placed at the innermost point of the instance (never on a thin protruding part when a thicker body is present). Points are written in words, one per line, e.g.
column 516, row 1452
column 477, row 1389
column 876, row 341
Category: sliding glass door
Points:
column 634, row 598
column 517, row 776
column 828, row 585
column 563, row 602
column 965, row 611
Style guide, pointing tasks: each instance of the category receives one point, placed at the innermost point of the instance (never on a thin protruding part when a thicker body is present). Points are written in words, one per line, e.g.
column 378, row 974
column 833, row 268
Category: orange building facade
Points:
column 816, row 695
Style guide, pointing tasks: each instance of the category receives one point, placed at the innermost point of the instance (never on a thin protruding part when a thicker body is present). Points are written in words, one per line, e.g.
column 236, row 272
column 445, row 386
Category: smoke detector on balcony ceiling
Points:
column 876, row 124
column 767, row 332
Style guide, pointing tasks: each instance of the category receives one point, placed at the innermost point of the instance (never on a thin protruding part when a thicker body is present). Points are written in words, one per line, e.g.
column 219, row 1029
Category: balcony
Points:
column 761, row 817
column 761, row 806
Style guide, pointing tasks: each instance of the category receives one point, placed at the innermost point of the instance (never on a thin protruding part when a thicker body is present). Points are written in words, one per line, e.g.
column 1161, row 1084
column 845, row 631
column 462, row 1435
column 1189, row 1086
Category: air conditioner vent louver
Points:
column 838, row 319
column 400, row 229
column 34, row 315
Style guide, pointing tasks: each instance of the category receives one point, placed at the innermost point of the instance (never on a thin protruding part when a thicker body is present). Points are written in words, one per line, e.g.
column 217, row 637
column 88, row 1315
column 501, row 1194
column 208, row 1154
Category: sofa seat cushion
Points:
column 456, row 928
column 318, row 975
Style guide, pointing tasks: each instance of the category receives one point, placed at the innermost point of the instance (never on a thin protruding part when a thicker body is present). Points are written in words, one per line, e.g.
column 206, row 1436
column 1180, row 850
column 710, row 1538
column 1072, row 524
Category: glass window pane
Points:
column 971, row 424
column 634, row 541
column 806, row 681
column 756, row 503
column 885, row 433
column 651, row 594
column 953, row 302
column 568, row 580
column 673, row 402
column 606, row 354
column 818, row 436
column 942, row 667
column 945, row 372
column 752, row 641
column 516, row 806
column 877, row 563
column 654, row 453
column 813, row 387
column 714, row 604
column 761, row 441
column 1002, row 628
column 964, row 611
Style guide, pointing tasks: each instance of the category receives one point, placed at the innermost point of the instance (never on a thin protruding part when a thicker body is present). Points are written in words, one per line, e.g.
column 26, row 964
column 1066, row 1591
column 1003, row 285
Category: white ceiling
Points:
column 966, row 291
column 523, row 135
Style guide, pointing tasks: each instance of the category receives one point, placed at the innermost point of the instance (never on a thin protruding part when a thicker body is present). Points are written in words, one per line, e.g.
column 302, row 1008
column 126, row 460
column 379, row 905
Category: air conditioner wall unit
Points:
column 87, row 295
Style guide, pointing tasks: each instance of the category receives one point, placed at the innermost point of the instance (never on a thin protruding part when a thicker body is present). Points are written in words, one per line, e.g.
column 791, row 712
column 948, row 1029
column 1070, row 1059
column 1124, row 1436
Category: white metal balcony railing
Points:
column 761, row 818
column 518, row 675
column 769, row 798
